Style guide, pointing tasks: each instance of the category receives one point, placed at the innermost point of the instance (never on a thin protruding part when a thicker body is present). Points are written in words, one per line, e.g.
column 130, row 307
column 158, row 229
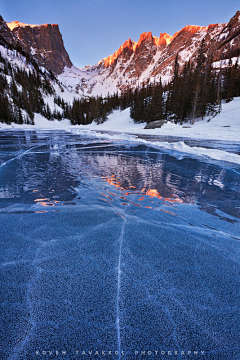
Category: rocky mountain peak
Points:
column 145, row 36
column 152, row 58
column 234, row 21
column 164, row 39
column 5, row 32
column 148, row 43
column 44, row 42
column 227, row 43
column 192, row 28
column 125, row 51
column 134, row 63
column 187, row 31
column 129, row 47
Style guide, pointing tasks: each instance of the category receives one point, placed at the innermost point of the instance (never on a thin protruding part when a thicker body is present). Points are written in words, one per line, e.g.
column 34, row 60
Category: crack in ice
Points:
column 118, row 291
column 20, row 346
column 20, row 155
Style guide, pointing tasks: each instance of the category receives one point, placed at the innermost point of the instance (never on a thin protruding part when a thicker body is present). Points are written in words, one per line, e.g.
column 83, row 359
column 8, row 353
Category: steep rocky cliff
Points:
column 44, row 42
column 5, row 33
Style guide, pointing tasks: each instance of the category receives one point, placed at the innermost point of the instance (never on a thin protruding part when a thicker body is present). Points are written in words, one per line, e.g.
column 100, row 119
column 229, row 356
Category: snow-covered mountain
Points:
column 134, row 63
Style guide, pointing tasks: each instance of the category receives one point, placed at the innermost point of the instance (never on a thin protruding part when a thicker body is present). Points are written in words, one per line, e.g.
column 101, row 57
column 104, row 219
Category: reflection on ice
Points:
column 60, row 163
column 43, row 174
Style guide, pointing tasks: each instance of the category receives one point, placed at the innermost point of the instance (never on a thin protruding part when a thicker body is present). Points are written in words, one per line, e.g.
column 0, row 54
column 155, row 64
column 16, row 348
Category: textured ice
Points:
column 116, row 246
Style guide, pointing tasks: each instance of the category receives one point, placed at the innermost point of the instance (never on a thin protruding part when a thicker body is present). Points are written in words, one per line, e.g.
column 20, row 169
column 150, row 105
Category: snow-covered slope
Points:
column 14, row 89
column 18, row 60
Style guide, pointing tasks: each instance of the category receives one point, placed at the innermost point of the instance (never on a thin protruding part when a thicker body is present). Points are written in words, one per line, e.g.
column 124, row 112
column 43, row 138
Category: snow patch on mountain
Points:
column 15, row 58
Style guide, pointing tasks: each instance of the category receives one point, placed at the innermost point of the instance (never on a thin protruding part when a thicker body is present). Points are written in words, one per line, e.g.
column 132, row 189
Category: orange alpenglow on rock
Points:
column 131, row 46
column 127, row 46
column 192, row 29
column 145, row 36
column 164, row 39
column 12, row 25
column 212, row 26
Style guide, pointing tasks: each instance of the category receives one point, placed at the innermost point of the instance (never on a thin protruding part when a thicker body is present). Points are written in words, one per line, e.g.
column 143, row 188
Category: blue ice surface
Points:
column 111, row 246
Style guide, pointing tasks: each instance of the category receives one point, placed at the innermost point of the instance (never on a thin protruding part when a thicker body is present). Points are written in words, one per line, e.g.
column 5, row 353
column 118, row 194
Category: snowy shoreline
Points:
column 225, row 126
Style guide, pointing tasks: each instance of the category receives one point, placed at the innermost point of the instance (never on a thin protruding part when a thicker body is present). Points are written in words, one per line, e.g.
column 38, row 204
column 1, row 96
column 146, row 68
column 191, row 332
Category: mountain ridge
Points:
column 133, row 63
column 152, row 58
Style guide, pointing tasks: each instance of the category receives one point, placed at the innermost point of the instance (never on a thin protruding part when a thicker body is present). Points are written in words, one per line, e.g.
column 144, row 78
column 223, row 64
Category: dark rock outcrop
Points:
column 155, row 124
column 6, row 36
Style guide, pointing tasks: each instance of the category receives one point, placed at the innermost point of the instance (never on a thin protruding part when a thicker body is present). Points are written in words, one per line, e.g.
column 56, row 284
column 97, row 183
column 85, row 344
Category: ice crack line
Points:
column 118, row 290
column 20, row 155
column 20, row 346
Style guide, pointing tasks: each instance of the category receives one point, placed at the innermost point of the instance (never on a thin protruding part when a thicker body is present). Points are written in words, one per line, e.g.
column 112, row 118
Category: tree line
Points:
column 86, row 110
column 193, row 93
column 22, row 92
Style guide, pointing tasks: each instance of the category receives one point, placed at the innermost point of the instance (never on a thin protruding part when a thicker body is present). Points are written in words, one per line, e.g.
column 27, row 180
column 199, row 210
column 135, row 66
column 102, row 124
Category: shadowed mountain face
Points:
column 6, row 33
column 45, row 43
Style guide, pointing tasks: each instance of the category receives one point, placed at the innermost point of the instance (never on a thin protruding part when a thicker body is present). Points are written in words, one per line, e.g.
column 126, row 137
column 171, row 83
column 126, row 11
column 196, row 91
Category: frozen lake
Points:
column 112, row 248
